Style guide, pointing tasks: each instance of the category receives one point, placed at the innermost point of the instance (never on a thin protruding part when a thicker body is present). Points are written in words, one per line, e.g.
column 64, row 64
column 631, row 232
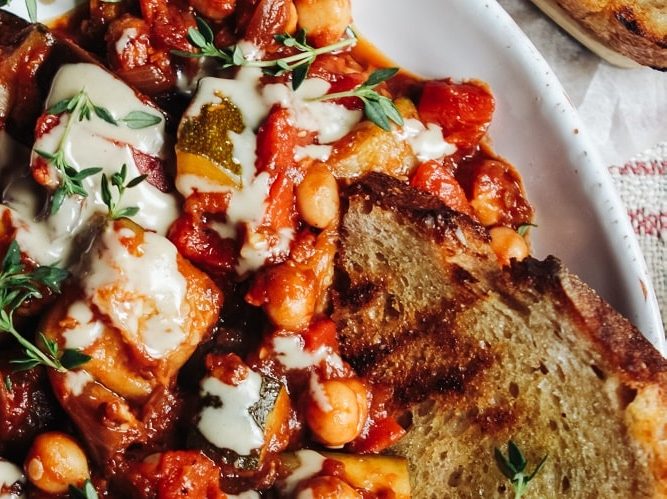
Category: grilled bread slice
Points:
column 477, row 355
column 634, row 28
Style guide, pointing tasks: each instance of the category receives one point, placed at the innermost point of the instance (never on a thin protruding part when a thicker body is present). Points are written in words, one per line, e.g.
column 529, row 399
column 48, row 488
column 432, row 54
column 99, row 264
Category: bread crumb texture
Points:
column 477, row 355
column 637, row 29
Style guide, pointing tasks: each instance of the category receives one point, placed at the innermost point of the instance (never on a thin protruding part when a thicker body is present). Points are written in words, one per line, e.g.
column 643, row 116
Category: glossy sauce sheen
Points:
column 156, row 313
column 92, row 143
column 228, row 424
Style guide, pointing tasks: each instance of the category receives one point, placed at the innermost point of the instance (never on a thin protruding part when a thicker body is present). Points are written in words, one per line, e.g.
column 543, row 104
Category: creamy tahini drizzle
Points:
column 9, row 475
column 92, row 143
column 229, row 425
column 310, row 464
column 153, row 312
column 248, row 203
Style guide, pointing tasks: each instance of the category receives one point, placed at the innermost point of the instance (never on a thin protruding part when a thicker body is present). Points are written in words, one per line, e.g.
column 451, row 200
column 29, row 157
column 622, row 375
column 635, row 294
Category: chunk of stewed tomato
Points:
column 463, row 110
column 437, row 179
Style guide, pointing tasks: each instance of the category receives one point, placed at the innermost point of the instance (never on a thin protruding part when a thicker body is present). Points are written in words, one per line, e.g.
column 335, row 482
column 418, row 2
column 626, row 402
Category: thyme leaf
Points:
column 513, row 467
column 17, row 285
column 202, row 38
column 379, row 109
column 118, row 181
column 87, row 491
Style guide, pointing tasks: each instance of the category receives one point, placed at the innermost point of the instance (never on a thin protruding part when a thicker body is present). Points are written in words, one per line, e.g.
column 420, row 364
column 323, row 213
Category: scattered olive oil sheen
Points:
column 207, row 134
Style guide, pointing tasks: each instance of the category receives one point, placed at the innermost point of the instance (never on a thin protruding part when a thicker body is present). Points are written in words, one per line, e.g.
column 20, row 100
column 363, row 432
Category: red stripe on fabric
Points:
column 647, row 223
column 653, row 167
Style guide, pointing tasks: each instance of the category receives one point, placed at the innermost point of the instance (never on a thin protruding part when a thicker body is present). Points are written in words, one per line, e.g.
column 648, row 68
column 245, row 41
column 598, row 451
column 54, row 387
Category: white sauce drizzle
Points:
column 426, row 141
column 9, row 475
column 292, row 354
column 125, row 38
column 153, row 311
column 310, row 463
column 306, row 494
column 314, row 151
column 247, row 204
column 231, row 426
column 91, row 143
column 318, row 394
column 87, row 331
column 330, row 121
column 76, row 381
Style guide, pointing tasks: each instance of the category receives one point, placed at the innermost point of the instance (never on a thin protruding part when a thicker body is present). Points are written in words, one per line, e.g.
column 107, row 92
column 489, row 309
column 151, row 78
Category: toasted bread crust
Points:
column 637, row 29
column 477, row 355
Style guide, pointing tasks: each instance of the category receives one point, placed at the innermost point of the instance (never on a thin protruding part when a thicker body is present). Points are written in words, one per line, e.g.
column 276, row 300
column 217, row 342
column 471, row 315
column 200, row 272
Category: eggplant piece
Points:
column 30, row 55
column 243, row 416
column 124, row 395
column 27, row 406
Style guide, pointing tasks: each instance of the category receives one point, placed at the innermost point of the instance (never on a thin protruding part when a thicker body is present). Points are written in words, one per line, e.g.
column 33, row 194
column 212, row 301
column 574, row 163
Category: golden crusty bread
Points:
column 477, row 355
column 635, row 28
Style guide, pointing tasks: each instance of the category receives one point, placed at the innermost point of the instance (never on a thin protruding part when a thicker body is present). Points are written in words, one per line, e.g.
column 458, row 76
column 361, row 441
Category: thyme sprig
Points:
column 377, row 108
column 87, row 491
column 298, row 64
column 513, row 467
column 118, row 181
column 71, row 180
column 30, row 5
column 18, row 285
column 80, row 107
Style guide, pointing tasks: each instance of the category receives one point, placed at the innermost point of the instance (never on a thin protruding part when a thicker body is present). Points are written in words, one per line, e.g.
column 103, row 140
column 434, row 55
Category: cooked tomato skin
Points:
column 173, row 475
column 463, row 110
column 495, row 192
column 277, row 138
column 436, row 179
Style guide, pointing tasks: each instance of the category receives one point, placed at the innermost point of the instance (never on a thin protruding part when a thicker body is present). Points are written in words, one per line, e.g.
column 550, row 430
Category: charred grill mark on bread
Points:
column 477, row 355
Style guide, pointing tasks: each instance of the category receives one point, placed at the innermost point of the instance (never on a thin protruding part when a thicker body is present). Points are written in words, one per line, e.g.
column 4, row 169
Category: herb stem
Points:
column 302, row 56
column 46, row 360
column 70, row 121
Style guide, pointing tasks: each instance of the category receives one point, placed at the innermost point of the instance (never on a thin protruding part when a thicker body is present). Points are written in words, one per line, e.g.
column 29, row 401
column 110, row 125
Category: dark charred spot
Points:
column 461, row 276
column 495, row 419
column 627, row 18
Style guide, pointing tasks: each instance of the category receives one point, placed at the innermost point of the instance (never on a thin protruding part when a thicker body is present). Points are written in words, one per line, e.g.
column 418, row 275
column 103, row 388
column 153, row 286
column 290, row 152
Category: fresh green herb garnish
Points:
column 71, row 180
column 522, row 230
column 377, row 108
column 513, row 467
column 298, row 64
column 30, row 5
column 86, row 492
column 16, row 286
column 140, row 119
column 118, row 181
column 81, row 104
column 8, row 383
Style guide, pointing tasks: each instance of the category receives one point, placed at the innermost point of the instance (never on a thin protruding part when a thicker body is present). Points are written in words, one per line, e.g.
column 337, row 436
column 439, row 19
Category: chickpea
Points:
column 345, row 414
column 326, row 487
column 507, row 244
column 216, row 10
column 290, row 296
column 56, row 461
column 325, row 21
column 317, row 197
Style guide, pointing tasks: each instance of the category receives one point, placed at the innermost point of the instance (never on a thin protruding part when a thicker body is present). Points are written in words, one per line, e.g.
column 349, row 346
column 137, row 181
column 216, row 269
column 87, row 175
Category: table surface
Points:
column 624, row 113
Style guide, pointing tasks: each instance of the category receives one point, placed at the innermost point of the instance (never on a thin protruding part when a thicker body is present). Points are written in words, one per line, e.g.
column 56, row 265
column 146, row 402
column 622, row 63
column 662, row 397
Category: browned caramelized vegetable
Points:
column 271, row 414
column 27, row 406
column 204, row 147
column 126, row 395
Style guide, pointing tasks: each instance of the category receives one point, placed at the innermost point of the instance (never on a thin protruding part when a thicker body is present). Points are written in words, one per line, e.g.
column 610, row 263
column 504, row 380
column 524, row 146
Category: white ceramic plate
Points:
column 580, row 217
